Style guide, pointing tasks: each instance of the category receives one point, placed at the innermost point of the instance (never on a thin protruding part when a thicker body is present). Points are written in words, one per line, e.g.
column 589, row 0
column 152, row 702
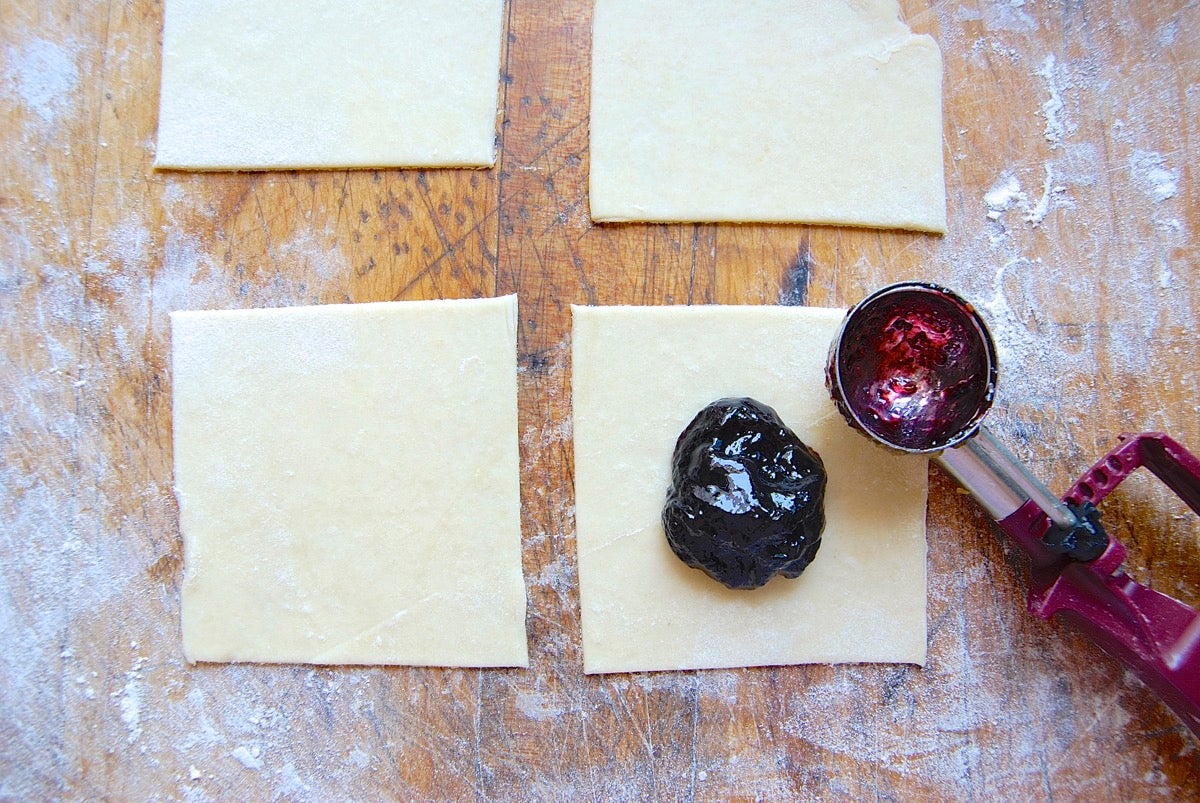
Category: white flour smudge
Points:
column 1006, row 194
column 131, row 708
column 1003, row 195
column 130, row 699
column 1037, row 213
column 538, row 706
column 1167, row 33
column 1008, row 16
column 1053, row 109
column 1151, row 175
column 291, row 786
column 248, row 755
column 44, row 76
column 191, row 276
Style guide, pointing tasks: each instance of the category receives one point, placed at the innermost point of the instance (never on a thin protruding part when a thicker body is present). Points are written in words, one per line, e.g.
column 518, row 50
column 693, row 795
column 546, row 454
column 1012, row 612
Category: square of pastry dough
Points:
column 810, row 111
column 348, row 486
column 640, row 375
column 268, row 84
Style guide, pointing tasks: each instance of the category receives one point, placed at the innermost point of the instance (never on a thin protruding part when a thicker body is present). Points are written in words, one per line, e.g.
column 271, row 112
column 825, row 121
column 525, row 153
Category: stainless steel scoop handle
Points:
column 998, row 481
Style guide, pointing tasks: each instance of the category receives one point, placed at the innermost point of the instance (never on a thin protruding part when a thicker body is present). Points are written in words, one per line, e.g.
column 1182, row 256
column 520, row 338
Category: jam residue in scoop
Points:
column 747, row 498
column 916, row 368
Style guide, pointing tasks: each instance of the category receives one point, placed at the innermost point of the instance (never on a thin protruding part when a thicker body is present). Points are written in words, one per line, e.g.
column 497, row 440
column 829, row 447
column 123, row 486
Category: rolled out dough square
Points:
column 268, row 84
column 811, row 111
column 347, row 479
column 640, row 376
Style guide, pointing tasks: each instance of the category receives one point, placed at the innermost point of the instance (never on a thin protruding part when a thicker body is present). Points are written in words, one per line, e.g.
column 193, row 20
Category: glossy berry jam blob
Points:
column 747, row 497
column 915, row 367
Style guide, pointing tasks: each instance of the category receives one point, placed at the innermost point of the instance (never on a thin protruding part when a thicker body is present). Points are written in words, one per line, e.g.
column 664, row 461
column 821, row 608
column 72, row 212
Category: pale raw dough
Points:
column 263, row 84
column 814, row 111
column 347, row 478
column 640, row 375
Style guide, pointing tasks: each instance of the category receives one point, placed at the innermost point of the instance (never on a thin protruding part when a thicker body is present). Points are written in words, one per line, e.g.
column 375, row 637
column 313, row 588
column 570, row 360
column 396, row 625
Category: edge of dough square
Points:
column 277, row 84
column 348, row 484
column 640, row 375
column 803, row 111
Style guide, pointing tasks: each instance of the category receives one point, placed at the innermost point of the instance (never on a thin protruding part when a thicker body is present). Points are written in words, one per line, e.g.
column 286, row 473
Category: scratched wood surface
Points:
column 1072, row 206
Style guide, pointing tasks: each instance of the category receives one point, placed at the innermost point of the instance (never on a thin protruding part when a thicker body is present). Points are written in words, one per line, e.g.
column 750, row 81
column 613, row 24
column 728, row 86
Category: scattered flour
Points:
column 359, row 758
column 291, row 786
column 1002, row 16
column 538, row 706
column 248, row 755
column 1053, row 109
column 1007, row 194
column 1167, row 33
column 192, row 277
column 1038, row 212
column 1151, row 175
column 44, row 75
column 1004, row 194
column 131, row 706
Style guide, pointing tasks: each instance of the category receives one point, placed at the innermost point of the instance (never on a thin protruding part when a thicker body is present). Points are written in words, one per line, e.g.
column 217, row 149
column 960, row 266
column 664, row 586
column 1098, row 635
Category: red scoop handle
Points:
column 1157, row 636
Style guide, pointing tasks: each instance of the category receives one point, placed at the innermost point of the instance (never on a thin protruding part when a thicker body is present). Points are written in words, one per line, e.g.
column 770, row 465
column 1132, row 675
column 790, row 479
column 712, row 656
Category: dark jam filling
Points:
column 747, row 497
column 915, row 369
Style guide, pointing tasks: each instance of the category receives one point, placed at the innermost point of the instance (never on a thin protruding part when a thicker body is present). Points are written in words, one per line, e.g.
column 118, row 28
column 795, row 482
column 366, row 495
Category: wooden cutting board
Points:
column 1069, row 151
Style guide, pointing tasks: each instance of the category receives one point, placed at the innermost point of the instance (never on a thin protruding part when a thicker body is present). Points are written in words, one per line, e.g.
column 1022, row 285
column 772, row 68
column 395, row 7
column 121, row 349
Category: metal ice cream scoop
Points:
column 913, row 367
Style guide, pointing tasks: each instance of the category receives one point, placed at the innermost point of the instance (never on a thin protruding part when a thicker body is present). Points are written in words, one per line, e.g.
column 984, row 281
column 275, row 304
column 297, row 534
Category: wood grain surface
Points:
column 1072, row 205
